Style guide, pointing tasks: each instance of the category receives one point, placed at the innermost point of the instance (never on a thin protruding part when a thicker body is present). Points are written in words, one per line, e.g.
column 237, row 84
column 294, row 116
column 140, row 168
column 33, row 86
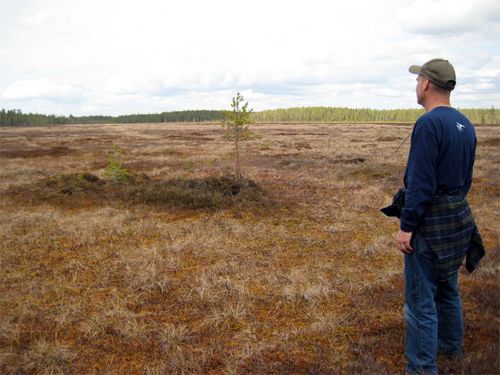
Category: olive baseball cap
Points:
column 438, row 71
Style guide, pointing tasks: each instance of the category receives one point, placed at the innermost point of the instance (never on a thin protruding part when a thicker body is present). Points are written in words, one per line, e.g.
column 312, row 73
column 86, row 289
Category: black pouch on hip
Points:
column 398, row 202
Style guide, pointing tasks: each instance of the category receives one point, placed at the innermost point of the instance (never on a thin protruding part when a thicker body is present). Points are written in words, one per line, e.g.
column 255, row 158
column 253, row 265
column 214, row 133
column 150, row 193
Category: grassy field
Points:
column 184, row 270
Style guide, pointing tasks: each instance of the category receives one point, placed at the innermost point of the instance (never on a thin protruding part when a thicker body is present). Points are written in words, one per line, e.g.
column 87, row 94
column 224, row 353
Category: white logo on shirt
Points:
column 460, row 127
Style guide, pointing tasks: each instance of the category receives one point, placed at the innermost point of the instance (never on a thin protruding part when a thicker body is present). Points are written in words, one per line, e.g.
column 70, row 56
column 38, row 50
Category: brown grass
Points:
column 182, row 269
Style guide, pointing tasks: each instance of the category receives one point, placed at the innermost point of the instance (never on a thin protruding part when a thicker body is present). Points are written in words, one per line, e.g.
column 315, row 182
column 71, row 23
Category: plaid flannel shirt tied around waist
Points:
column 449, row 229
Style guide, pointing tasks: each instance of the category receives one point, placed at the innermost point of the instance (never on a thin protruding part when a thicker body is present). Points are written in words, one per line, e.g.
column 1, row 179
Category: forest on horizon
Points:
column 16, row 117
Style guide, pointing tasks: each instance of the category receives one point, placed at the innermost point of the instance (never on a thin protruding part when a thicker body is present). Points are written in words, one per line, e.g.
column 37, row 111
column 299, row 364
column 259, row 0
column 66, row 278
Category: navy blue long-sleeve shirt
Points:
column 441, row 159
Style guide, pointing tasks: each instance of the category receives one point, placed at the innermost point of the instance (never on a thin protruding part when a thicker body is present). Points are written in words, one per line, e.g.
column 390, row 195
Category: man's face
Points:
column 421, row 82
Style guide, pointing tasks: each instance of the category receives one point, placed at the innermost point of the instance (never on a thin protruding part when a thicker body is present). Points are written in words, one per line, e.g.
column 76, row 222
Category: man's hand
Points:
column 403, row 242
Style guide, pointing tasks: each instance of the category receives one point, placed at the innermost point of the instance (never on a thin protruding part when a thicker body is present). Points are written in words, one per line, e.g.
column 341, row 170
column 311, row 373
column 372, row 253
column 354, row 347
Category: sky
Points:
column 114, row 57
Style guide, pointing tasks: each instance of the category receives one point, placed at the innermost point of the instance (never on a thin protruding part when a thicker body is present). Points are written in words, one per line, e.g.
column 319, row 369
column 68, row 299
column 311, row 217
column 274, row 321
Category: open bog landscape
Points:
column 181, row 268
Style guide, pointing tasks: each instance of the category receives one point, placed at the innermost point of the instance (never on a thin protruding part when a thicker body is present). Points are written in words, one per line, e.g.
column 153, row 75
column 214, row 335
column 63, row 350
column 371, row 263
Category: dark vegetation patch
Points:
column 388, row 139
column 494, row 141
column 297, row 161
column 63, row 189
column 349, row 161
column 286, row 133
column 376, row 171
column 317, row 134
column 301, row 145
column 98, row 164
column 166, row 152
column 86, row 189
column 38, row 152
column 208, row 192
column 190, row 137
column 144, row 165
column 140, row 165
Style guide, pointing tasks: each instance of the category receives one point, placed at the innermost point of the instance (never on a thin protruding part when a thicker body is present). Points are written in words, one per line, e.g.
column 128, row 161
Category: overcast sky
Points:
column 128, row 56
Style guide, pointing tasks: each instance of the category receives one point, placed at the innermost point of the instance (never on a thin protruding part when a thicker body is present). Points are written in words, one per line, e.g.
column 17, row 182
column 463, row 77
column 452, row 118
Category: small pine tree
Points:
column 236, row 123
column 115, row 170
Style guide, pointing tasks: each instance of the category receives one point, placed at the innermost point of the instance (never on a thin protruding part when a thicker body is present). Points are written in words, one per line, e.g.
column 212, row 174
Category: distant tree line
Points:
column 304, row 114
column 339, row 114
column 17, row 118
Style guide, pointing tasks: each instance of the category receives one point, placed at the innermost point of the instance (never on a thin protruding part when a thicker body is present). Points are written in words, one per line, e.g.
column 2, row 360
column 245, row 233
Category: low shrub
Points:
column 192, row 193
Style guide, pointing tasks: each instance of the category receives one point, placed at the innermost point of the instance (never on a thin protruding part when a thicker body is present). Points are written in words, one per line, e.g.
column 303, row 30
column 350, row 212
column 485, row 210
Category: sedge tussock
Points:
column 147, row 269
column 327, row 323
column 300, row 285
column 214, row 288
column 115, row 320
column 225, row 317
column 44, row 357
column 171, row 336
column 379, row 245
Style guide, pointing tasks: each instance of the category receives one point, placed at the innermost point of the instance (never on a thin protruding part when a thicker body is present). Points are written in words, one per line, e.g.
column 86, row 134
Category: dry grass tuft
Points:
column 170, row 336
column 41, row 357
column 301, row 285
column 380, row 245
column 114, row 320
column 146, row 269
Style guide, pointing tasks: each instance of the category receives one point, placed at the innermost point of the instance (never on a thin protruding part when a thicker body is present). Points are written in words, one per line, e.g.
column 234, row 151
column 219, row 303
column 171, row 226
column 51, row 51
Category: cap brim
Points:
column 415, row 69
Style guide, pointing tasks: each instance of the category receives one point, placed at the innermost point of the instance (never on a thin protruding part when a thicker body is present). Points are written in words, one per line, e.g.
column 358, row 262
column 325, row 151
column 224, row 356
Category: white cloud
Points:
column 439, row 17
column 112, row 57
column 37, row 88
column 37, row 19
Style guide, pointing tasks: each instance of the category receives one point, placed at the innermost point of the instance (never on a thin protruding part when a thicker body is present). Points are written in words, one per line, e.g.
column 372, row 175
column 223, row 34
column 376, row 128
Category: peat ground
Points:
column 183, row 269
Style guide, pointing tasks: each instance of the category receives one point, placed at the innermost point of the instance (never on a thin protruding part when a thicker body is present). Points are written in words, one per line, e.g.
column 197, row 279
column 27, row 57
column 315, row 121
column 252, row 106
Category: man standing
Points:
column 436, row 224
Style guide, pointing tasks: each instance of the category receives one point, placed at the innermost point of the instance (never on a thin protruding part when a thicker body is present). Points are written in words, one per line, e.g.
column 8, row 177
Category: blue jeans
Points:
column 432, row 310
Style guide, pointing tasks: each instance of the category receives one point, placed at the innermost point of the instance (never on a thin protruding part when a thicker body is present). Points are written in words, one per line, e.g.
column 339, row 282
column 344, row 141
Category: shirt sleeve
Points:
column 420, row 174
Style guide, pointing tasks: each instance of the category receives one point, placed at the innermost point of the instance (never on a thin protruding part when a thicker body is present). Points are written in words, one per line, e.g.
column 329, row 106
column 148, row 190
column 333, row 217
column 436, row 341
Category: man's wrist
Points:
column 405, row 227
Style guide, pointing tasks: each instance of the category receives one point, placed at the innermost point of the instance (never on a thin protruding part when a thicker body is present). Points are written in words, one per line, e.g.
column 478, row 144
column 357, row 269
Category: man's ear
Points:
column 426, row 84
